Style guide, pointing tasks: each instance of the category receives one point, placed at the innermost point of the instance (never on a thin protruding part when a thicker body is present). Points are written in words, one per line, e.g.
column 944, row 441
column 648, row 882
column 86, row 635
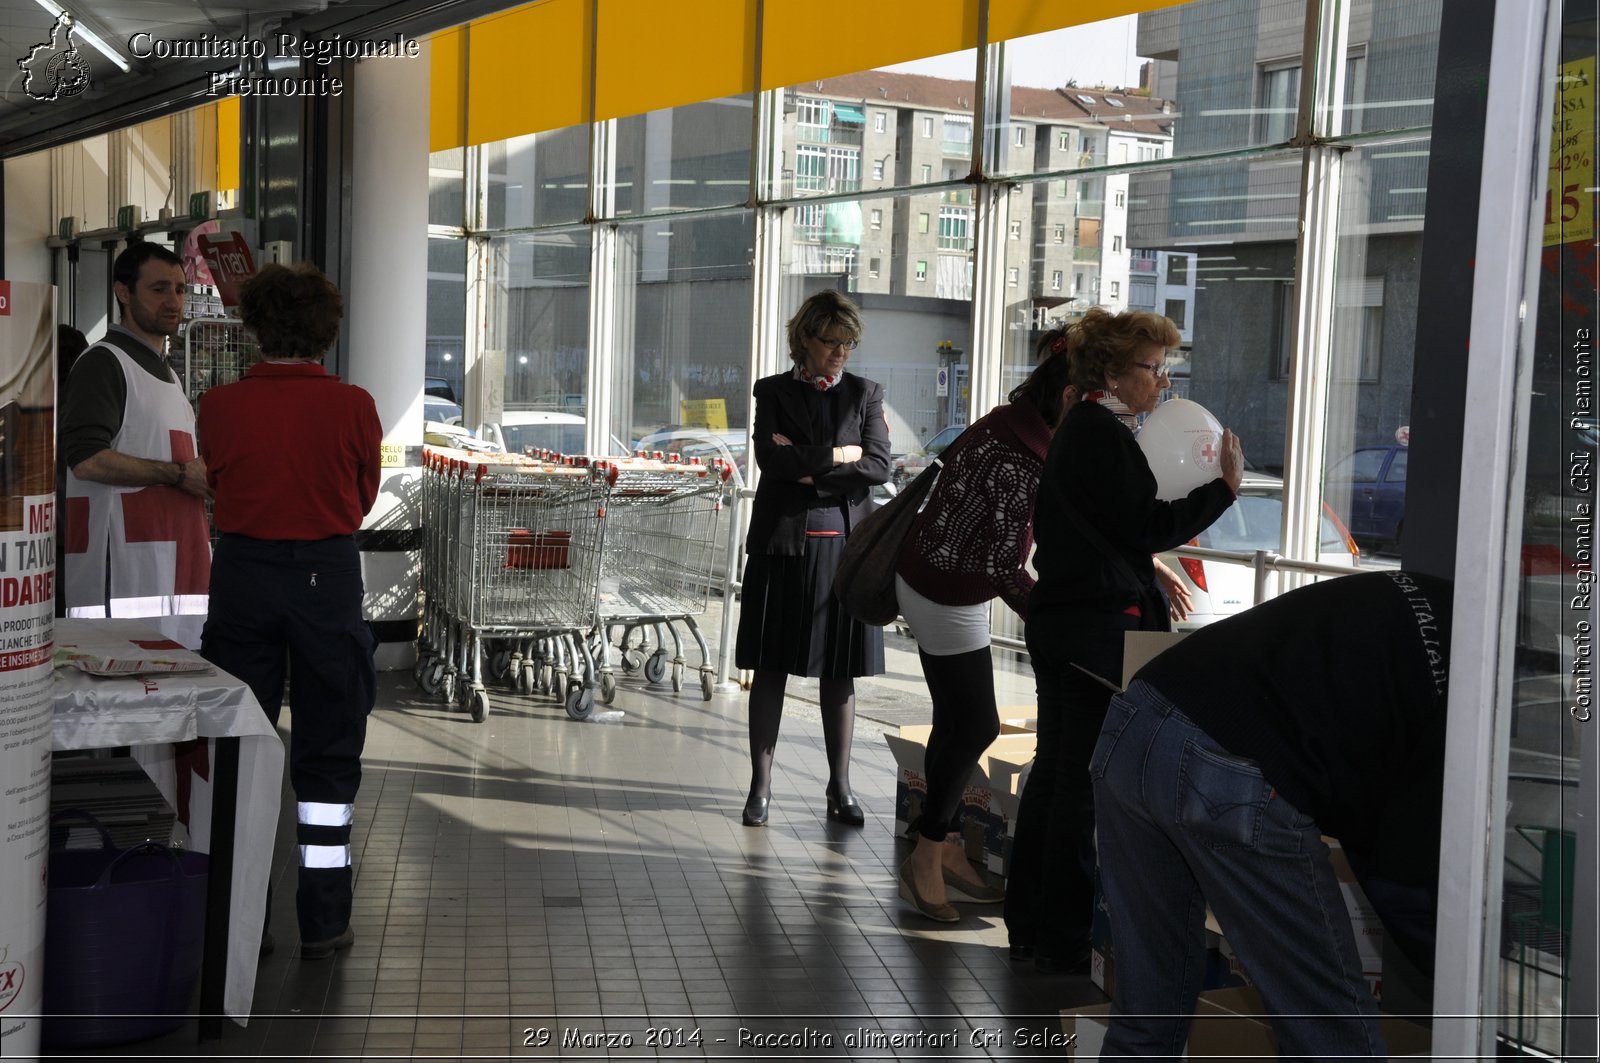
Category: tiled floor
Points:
column 529, row 885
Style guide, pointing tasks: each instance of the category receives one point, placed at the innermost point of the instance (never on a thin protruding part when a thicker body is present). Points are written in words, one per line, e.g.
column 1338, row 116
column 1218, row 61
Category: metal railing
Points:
column 1263, row 563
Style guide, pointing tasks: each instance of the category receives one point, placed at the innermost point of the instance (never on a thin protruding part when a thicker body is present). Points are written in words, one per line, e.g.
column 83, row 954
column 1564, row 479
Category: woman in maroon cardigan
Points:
column 970, row 545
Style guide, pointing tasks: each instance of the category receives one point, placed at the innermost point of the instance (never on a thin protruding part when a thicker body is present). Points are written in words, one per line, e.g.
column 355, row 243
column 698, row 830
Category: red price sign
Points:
column 228, row 257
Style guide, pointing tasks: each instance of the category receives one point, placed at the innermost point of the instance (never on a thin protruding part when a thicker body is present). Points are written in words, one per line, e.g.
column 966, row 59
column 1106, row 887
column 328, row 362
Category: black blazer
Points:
column 778, row 517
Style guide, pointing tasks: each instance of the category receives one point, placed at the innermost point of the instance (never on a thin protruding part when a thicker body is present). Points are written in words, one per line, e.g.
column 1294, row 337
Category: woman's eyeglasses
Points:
column 836, row 345
column 1156, row 369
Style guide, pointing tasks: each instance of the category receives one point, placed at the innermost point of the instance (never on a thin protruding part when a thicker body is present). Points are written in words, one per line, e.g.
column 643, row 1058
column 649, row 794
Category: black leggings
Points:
column 965, row 722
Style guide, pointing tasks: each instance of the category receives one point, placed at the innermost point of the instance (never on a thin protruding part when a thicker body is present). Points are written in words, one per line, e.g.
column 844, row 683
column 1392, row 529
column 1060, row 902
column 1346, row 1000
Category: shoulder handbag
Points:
column 864, row 581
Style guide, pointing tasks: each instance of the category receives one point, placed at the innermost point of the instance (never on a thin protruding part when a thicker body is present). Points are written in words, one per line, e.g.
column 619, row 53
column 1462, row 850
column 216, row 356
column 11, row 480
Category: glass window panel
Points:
column 538, row 324
column 915, row 291
column 1078, row 91
column 1210, row 76
column 685, row 303
column 445, row 359
column 538, row 179
column 86, row 185
column 1548, row 870
column 690, row 157
column 447, row 198
column 1219, row 283
column 1394, row 51
column 148, row 158
column 901, row 125
column 1374, row 338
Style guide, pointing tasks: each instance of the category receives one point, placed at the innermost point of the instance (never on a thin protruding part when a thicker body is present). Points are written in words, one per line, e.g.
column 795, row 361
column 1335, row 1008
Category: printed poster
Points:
column 27, row 610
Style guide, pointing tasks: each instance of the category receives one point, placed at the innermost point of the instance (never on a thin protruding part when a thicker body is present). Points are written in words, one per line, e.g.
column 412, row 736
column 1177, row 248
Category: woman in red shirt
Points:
column 292, row 455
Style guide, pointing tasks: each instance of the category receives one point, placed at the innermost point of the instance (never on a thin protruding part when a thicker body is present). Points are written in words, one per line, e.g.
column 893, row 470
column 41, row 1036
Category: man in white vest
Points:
column 137, row 538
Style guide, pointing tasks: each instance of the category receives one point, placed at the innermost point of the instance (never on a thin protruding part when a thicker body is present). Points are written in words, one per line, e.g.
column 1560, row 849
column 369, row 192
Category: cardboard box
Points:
column 1229, row 1024
column 911, row 785
column 1006, row 769
column 983, row 831
column 1140, row 647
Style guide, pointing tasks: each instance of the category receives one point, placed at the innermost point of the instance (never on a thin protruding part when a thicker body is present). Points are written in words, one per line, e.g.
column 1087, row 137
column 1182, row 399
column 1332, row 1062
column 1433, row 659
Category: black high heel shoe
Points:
column 845, row 810
column 755, row 811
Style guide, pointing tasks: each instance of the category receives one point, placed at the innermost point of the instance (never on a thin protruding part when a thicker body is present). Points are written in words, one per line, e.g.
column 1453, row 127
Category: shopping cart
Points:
column 659, row 559
column 511, row 555
column 216, row 351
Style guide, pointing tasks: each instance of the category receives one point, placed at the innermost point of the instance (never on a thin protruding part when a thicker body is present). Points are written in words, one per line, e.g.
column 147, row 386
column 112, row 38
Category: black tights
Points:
column 965, row 721
column 766, row 712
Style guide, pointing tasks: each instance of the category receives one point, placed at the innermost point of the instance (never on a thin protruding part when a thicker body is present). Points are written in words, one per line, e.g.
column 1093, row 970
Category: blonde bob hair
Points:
column 825, row 310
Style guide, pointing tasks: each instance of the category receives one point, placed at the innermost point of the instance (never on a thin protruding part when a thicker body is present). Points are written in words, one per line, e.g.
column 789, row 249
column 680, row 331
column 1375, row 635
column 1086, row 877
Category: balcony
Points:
column 955, row 149
column 1085, row 254
column 848, row 136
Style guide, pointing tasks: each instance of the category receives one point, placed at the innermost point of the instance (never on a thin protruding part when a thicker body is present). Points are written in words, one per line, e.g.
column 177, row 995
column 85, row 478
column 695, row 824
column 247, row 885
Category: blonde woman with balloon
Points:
column 1096, row 523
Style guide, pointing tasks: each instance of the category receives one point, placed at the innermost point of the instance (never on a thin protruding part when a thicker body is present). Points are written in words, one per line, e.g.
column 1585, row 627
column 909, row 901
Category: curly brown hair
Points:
column 293, row 310
column 1104, row 344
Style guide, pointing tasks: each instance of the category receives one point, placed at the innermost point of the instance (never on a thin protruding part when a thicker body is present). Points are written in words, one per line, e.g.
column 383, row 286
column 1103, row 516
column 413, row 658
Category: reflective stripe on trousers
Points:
column 325, row 856
column 323, row 814
column 328, row 823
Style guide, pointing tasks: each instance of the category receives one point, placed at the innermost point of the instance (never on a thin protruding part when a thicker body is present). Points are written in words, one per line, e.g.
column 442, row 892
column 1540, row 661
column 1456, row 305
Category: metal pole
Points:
column 729, row 585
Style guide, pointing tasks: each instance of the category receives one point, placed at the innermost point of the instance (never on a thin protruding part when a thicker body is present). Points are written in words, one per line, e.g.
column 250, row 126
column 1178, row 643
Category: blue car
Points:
column 1368, row 491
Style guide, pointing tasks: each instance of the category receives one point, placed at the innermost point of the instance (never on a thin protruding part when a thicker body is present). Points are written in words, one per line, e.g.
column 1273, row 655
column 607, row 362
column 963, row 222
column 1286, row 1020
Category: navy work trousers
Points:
column 298, row 604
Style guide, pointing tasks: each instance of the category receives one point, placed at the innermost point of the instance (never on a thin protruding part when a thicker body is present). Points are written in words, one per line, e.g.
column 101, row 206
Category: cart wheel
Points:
column 580, row 700
column 525, row 677
column 705, row 685
column 479, row 706
column 655, row 668
column 432, row 677
column 424, row 664
column 677, row 677
column 632, row 661
column 547, row 680
column 499, row 664
column 447, row 688
column 608, row 687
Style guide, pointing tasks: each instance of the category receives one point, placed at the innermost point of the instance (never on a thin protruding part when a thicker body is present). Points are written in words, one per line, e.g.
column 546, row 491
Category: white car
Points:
column 1253, row 522
column 447, row 434
column 530, row 431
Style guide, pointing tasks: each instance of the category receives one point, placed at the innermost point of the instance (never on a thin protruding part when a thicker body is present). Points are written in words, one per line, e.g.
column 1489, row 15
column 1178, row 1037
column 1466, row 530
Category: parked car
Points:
column 1253, row 522
column 442, row 410
column 1368, row 489
column 446, row 434
column 530, row 431
column 909, row 466
column 439, row 387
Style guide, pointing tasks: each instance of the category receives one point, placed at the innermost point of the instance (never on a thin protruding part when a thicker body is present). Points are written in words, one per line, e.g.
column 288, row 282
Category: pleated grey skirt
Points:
column 789, row 620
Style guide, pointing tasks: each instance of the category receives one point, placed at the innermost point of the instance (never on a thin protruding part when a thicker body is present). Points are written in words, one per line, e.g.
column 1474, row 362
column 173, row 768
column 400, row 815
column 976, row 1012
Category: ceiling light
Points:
column 57, row 11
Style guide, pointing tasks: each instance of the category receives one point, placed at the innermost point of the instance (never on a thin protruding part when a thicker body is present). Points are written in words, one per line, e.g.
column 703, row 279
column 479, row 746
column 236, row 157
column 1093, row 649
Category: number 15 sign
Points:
column 1569, row 199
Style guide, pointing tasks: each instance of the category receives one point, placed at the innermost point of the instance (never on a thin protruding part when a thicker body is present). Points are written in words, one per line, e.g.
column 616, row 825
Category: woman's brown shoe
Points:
column 939, row 913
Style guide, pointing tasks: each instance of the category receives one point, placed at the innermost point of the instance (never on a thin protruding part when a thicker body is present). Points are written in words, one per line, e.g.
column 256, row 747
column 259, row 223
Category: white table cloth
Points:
column 149, row 712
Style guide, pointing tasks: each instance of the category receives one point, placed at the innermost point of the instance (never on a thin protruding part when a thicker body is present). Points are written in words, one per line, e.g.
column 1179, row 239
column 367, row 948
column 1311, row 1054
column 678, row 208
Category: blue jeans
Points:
column 1182, row 821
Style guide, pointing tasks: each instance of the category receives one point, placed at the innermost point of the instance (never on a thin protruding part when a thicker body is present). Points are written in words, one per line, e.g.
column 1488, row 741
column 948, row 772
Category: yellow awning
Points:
column 537, row 67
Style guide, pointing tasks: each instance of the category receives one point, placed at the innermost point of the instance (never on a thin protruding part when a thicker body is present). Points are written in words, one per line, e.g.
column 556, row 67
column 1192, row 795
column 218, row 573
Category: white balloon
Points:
column 1183, row 444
